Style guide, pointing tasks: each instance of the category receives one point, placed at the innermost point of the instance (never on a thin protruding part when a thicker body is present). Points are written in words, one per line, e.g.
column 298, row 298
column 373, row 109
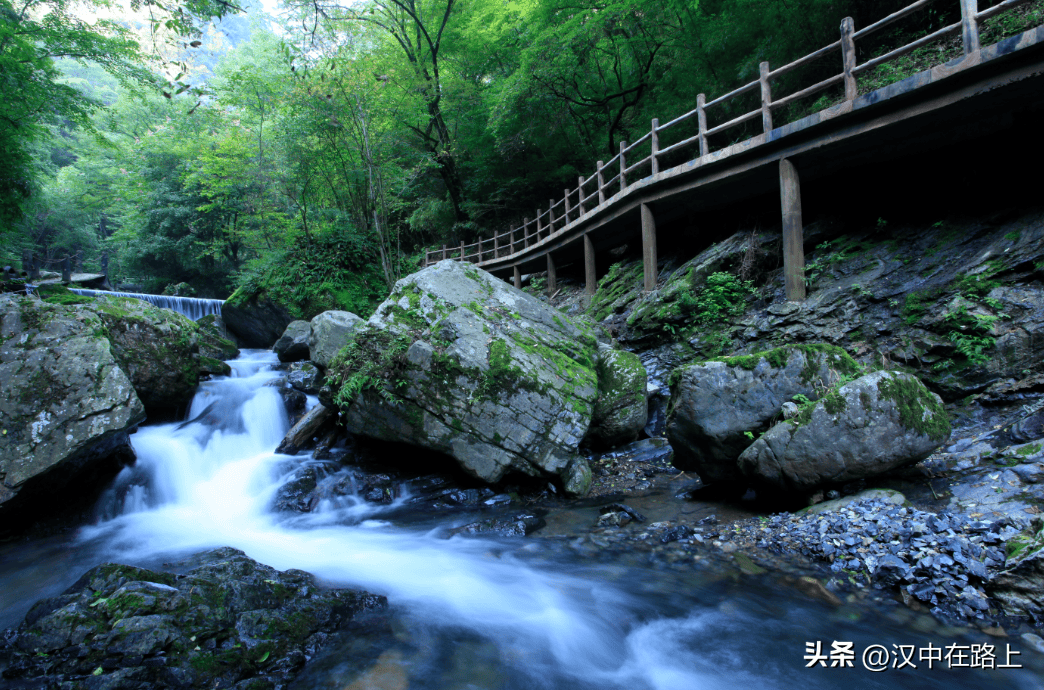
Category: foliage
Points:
column 722, row 297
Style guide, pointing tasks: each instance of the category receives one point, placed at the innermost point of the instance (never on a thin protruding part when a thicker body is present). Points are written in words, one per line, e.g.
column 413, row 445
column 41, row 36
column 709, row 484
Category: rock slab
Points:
column 228, row 621
column 66, row 406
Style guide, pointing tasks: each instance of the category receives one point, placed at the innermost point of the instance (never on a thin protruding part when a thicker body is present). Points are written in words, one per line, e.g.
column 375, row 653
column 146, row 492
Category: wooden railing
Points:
column 577, row 202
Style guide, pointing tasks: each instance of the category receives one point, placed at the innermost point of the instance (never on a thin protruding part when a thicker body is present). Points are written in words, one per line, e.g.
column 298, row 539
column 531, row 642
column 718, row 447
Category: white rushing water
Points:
column 193, row 307
column 210, row 483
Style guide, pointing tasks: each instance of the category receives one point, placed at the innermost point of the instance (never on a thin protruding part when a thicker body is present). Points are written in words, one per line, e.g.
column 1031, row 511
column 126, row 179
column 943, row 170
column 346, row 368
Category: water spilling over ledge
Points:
column 192, row 307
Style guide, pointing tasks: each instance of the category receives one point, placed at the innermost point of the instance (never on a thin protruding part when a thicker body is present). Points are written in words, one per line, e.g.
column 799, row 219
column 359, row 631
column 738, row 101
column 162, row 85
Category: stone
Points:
column 305, row 377
column 622, row 407
column 886, row 495
column 157, row 348
column 292, row 346
column 228, row 621
column 1020, row 586
column 876, row 423
column 214, row 339
column 717, row 406
column 256, row 320
column 502, row 383
column 330, row 331
column 66, row 406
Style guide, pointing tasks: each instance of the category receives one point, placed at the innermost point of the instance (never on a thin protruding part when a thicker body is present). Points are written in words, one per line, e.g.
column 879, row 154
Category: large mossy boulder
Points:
column 622, row 407
column 66, row 406
column 157, row 348
column 214, row 342
column 718, row 406
column 254, row 319
column 328, row 333
column 292, row 346
column 462, row 363
column 874, row 424
column 228, row 622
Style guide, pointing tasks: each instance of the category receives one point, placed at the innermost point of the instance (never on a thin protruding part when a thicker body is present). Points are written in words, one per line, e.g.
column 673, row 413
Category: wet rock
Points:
column 305, row 377
column 621, row 508
column 509, row 384
column 330, row 332
column 157, row 348
column 621, row 409
column 516, row 526
column 228, row 620
column 876, row 423
column 214, row 340
column 66, row 405
column 292, row 346
column 254, row 318
column 298, row 493
column 1020, row 587
column 715, row 405
column 887, row 495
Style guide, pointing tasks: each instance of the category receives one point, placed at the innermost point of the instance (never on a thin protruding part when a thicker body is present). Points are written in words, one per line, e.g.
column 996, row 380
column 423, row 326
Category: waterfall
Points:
column 192, row 307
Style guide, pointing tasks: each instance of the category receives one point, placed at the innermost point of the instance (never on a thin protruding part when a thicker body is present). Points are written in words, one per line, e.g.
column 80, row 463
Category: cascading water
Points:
column 474, row 613
column 192, row 307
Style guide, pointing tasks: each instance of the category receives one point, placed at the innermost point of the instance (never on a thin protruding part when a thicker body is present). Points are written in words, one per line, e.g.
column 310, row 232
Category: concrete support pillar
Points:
column 590, row 277
column 649, row 248
column 793, row 232
column 552, row 280
column 518, row 278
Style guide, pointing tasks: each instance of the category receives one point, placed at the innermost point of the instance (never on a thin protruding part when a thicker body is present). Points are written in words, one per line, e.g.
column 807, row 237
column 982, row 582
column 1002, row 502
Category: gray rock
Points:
column 292, row 346
column 305, row 377
column 1020, row 587
column 874, row 424
column 304, row 433
column 622, row 408
column 716, row 404
column 65, row 403
column 255, row 320
column 509, row 384
column 330, row 331
column 157, row 348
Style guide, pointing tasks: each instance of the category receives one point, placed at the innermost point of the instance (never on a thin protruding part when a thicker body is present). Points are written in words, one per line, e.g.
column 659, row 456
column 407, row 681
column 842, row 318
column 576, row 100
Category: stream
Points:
column 473, row 612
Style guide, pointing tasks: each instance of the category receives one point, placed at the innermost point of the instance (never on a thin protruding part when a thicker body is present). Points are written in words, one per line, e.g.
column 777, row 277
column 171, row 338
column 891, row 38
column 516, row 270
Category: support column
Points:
column 793, row 232
column 590, row 277
column 518, row 278
column 552, row 280
column 649, row 248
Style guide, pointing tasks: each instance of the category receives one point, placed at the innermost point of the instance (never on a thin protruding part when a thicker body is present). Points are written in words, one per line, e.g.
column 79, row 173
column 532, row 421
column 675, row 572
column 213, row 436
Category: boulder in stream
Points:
column 717, row 406
column 66, row 406
column 876, row 423
column 157, row 348
column 254, row 319
column 329, row 332
column 622, row 408
column 460, row 362
column 226, row 621
column 292, row 346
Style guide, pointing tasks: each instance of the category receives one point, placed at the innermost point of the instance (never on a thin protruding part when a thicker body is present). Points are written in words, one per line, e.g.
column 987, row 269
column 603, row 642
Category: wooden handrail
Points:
column 968, row 26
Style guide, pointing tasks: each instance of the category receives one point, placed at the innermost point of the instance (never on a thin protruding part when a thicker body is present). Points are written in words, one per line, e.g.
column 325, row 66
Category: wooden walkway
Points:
column 626, row 194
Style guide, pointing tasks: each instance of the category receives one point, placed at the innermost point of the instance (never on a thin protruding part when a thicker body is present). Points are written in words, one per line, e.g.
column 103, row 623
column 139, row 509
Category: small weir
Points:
column 192, row 307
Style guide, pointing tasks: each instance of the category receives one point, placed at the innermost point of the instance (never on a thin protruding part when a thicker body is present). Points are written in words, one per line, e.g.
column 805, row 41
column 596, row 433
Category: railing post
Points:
column 766, row 97
column 601, row 185
column 580, row 195
column 496, row 246
column 623, row 166
column 511, row 249
column 565, row 204
column 462, row 251
column 539, row 225
column 518, row 279
column 426, row 253
column 848, row 57
column 701, row 116
column 525, row 233
column 590, row 279
column 793, row 232
column 649, row 248
column 654, row 145
column 970, row 26
column 444, row 255
column 552, row 279
column 550, row 217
